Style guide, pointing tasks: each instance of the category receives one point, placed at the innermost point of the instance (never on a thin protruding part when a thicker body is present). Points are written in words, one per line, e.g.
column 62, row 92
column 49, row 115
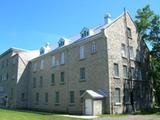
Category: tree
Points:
column 148, row 24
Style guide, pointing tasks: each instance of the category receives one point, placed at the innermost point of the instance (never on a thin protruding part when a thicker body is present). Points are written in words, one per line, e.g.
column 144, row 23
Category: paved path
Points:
column 132, row 117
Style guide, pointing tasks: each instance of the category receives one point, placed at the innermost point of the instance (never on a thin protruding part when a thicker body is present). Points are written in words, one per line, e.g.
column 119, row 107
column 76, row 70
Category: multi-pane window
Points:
column 52, row 78
column 46, row 97
column 129, row 32
column 41, row 64
column 53, row 61
column 131, row 52
column 117, row 95
column 82, row 73
column 126, row 95
column 12, row 93
column 125, row 71
column 81, row 93
column 82, row 52
column 116, row 69
column 37, row 97
column 123, row 50
column 7, row 76
column 62, row 77
column 139, row 74
column 34, row 82
column 62, row 58
column 34, row 67
column 57, row 99
column 93, row 47
column 133, row 73
column 22, row 96
column 41, row 81
column 72, row 97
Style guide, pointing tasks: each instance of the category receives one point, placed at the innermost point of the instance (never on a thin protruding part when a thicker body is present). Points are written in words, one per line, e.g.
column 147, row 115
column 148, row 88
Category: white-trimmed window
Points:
column 41, row 64
column 53, row 61
column 117, row 95
column 34, row 67
column 125, row 72
column 139, row 74
column 57, row 97
column 93, row 47
column 62, row 58
column 81, row 52
column 131, row 52
column 116, row 70
column 123, row 50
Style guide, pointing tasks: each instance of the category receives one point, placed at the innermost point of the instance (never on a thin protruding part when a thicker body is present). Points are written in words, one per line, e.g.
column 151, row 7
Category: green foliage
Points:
column 148, row 24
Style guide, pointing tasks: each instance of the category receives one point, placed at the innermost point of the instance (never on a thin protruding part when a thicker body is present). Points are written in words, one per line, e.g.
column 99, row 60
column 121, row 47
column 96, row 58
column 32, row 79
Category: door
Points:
column 88, row 107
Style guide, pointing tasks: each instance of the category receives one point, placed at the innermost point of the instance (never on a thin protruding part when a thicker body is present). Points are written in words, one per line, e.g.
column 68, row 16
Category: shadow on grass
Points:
column 154, row 111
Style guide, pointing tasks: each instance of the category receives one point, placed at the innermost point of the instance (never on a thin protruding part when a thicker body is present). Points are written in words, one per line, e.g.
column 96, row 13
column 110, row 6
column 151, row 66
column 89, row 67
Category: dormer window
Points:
column 61, row 43
column 85, row 32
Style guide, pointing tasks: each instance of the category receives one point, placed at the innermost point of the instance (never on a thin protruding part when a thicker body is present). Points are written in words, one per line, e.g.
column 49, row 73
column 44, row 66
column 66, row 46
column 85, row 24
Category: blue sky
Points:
column 29, row 24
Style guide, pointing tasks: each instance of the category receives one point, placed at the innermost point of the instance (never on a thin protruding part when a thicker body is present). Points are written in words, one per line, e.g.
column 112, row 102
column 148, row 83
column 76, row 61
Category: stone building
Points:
column 91, row 73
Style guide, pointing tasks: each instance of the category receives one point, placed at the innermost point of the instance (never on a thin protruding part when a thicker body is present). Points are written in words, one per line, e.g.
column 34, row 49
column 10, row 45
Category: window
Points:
column 41, row 64
column 81, row 93
column 131, row 52
column 125, row 71
column 34, row 67
column 0, row 78
column 37, row 97
column 139, row 74
column 116, row 70
column 57, row 99
column 34, row 82
column 132, row 72
column 7, row 76
column 13, row 61
column 82, row 73
column 72, row 97
column 82, row 52
column 129, row 32
column 62, row 58
column 61, row 42
column 62, row 77
column 46, row 97
column 41, row 81
column 123, row 50
column 53, row 61
column 12, row 93
column 22, row 96
column 7, row 62
column 52, row 79
column 117, row 95
column 93, row 47
column 126, row 95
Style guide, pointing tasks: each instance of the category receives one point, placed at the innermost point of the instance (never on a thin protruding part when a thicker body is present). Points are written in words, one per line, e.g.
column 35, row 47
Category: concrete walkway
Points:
column 81, row 116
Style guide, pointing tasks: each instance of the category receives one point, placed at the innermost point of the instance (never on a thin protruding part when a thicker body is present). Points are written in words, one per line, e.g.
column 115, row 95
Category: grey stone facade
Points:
column 43, row 85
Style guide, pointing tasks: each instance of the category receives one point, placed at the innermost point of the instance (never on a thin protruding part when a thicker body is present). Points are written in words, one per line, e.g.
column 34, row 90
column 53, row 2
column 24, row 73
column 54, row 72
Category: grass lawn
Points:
column 27, row 115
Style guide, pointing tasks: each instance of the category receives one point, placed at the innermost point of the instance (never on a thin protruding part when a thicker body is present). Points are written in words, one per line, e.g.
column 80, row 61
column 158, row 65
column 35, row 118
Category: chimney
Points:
column 107, row 18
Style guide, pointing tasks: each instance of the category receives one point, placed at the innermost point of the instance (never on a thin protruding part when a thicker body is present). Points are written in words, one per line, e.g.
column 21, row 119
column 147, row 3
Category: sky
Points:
column 29, row 24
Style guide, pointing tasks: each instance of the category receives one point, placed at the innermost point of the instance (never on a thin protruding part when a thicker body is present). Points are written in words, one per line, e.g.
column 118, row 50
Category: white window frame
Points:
column 82, row 52
column 53, row 61
column 42, row 64
column 93, row 47
column 62, row 58
column 131, row 52
column 34, row 67
column 123, row 50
